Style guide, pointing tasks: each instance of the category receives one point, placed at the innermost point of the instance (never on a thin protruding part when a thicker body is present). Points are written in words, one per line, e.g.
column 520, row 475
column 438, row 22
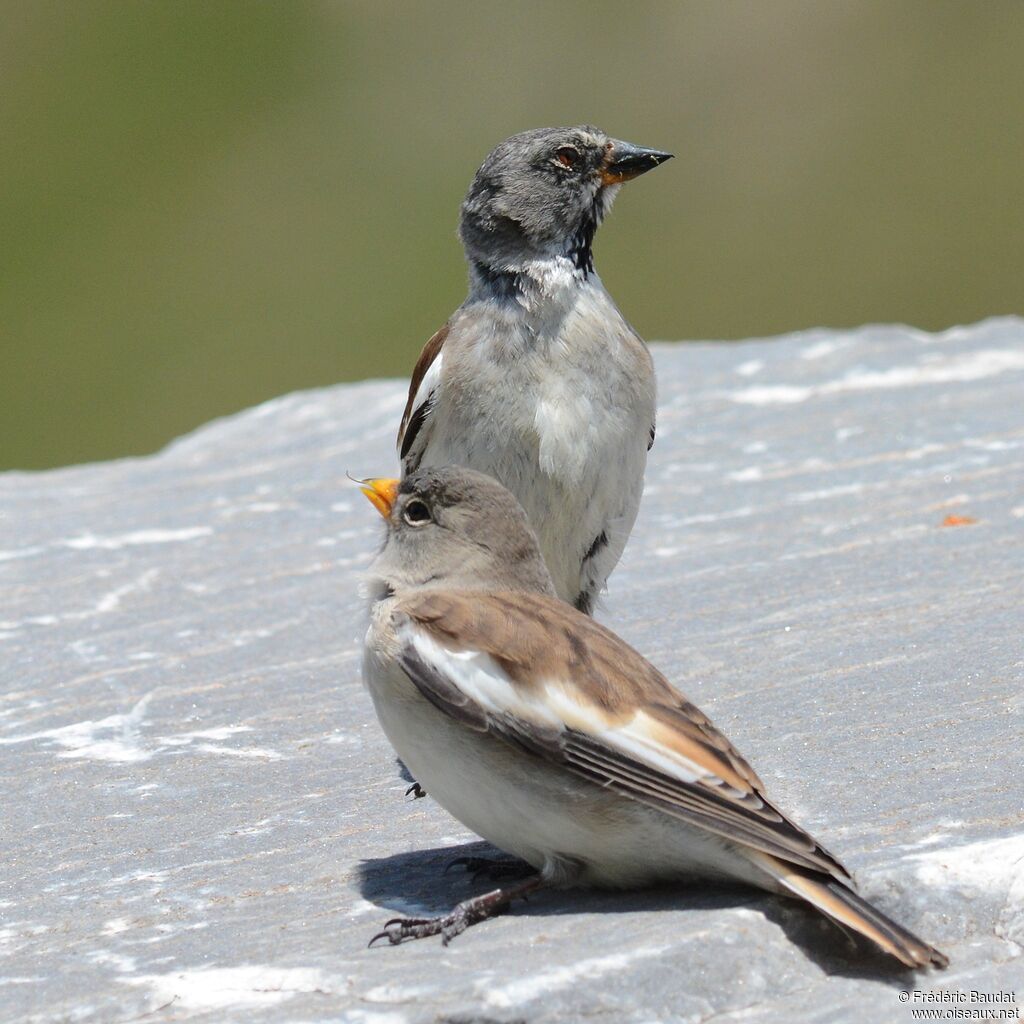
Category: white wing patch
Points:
column 480, row 678
column 560, row 705
column 425, row 394
column 431, row 380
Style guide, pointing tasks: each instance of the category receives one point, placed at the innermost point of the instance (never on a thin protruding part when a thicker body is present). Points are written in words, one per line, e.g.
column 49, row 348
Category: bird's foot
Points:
column 465, row 914
column 418, row 792
column 493, row 869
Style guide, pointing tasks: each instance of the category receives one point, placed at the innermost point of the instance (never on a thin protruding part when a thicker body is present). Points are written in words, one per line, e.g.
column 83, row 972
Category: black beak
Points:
column 624, row 161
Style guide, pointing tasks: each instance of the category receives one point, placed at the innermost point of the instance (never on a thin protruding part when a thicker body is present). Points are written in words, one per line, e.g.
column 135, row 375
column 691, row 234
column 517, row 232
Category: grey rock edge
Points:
column 202, row 821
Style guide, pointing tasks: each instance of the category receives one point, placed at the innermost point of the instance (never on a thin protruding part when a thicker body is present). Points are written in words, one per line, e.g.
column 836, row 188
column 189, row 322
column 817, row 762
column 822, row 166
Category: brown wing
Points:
column 563, row 687
column 419, row 407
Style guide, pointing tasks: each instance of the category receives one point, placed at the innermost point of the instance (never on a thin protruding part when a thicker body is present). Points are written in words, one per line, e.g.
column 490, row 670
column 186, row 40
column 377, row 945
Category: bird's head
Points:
column 542, row 194
column 454, row 528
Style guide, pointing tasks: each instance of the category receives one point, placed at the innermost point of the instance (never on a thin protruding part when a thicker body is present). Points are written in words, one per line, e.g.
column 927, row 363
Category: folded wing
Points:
column 535, row 673
column 426, row 379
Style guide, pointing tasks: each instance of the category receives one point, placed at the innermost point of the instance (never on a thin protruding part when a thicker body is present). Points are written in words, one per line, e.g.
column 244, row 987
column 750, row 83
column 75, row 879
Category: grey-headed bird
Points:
column 537, row 379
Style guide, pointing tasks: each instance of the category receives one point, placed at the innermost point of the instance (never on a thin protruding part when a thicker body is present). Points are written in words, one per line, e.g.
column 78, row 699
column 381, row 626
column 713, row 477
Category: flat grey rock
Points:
column 202, row 821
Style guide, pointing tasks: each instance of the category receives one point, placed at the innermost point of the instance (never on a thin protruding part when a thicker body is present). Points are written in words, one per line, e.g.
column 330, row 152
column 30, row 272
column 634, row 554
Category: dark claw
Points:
column 418, row 792
column 493, row 869
column 470, row 912
column 399, row 928
column 460, row 862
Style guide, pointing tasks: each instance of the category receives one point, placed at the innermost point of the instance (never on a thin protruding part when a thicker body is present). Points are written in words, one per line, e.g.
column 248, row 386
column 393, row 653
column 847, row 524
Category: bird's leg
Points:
column 494, row 869
column 465, row 914
column 418, row 792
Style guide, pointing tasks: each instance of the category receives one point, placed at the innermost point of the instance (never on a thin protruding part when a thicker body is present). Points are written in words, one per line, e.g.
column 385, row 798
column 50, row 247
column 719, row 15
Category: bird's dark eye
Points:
column 568, row 156
column 416, row 513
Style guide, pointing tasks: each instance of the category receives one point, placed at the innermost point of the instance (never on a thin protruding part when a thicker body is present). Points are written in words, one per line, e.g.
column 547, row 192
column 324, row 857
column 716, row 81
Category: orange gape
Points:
column 382, row 492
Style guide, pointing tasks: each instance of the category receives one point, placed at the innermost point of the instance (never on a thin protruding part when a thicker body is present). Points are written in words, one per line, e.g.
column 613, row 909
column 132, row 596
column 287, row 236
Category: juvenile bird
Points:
column 537, row 380
column 549, row 736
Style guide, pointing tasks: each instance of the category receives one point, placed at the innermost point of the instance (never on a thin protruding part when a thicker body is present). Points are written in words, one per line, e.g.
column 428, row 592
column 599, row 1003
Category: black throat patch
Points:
column 581, row 250
column 502, row 284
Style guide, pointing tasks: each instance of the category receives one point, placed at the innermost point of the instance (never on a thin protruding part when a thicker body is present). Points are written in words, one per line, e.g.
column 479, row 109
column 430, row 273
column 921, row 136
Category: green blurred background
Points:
column 205, row 204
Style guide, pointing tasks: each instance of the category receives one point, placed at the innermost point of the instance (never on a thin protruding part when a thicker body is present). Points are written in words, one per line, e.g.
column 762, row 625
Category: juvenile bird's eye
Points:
column 416, row 513
column 568, row 156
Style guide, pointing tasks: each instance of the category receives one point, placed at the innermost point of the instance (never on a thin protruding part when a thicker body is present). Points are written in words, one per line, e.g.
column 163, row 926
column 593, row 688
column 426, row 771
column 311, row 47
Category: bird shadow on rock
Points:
column 836, row 951
column 416, row 884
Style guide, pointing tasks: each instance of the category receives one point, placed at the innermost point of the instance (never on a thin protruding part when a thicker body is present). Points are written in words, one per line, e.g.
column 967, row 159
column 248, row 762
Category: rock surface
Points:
column 202, row 821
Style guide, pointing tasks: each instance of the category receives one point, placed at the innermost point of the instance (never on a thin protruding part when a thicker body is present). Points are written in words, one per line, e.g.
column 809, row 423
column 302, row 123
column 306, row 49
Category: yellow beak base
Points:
column 381, row 492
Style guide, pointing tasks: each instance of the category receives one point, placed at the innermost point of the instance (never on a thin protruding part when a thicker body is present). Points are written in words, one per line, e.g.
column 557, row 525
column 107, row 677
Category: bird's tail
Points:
column 846, row 908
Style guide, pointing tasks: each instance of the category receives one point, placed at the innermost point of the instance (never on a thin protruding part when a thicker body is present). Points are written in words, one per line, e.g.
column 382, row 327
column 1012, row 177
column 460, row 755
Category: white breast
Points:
column 556, row 402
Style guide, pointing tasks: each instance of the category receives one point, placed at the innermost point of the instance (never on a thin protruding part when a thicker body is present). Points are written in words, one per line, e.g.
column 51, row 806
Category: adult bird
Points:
column 537, row 379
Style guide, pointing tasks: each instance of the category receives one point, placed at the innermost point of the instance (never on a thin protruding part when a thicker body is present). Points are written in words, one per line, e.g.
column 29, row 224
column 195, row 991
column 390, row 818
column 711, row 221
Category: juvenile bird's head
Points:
column 454, row 528
column 542, row 194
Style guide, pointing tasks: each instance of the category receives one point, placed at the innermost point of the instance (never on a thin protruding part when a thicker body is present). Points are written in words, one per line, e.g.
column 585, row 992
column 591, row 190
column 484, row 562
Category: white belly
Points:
column 563, row 423
column 571, row 830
